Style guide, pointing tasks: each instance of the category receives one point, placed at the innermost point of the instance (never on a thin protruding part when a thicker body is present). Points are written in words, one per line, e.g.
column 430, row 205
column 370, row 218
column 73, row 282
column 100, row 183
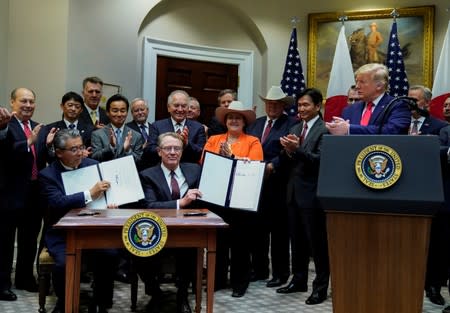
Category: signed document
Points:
column 231, row 182
column 121, row 173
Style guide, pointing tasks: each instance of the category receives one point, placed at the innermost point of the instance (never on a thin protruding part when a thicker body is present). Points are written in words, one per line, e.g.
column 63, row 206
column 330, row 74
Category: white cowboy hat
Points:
column 236, row 107
column 275, row 93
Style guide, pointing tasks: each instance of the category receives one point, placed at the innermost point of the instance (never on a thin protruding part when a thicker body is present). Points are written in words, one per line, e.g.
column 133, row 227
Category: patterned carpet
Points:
column 258, row 299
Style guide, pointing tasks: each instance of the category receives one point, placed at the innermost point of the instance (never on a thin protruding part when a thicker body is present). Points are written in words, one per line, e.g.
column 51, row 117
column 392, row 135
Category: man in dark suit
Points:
column 7, row 222
column 307, row 224
column 25, row 148
column 436, row 273
column 71, row 105
column 116, row 140
column 423, row 125
column 170, row 185
column 224, row 99
column 70, row 156
column 192, row 132
column 92, row 94
column 272, row 218
column 371, row 115
column 139, row 111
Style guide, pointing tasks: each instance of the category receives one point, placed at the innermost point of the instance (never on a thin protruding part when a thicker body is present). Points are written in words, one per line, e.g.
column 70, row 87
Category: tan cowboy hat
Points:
column 236, row 107
column 275, row 93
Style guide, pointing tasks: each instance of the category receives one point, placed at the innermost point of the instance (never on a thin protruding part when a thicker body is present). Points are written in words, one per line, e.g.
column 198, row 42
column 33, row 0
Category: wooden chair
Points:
column 45, row 268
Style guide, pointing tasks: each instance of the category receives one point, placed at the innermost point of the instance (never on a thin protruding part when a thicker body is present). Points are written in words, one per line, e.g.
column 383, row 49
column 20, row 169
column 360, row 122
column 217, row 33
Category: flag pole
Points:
column 294, row 21
column 343, row 18
column 395, row 14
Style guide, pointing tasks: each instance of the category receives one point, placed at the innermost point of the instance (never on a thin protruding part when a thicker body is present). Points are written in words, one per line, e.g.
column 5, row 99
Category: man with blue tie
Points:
column 374, row 113
column 116, row 140
column 71, row 106
column 192, row 132
column 139, row 112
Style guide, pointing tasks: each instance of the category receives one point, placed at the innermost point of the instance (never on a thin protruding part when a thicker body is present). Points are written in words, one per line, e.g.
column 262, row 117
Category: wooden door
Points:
column 200, row 79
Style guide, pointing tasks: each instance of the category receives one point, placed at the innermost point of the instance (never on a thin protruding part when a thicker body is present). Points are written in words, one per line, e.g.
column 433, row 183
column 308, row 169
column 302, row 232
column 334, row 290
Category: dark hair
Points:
column 71, row 95
column 225, row 91
column 92, row 80
column 61, row 137
column 314, row 93
column 116, row 97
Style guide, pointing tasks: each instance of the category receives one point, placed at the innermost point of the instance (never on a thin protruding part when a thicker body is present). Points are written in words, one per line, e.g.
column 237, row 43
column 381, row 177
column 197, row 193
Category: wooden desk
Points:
column 104, row 231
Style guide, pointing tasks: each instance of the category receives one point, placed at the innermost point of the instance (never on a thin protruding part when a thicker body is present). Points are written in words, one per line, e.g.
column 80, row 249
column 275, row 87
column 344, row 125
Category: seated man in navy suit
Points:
column 192, row 132
column 170, row 185
column 69, row 152
column 373, row 113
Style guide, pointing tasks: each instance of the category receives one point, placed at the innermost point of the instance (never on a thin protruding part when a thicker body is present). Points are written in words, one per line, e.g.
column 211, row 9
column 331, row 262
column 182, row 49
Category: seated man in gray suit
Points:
column 116, row 139
column 170, row 185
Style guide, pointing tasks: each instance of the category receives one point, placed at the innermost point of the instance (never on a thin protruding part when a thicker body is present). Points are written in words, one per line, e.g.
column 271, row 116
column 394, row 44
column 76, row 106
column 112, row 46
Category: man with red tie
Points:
column 373, row 113
column 172, row 185
column 24, row 149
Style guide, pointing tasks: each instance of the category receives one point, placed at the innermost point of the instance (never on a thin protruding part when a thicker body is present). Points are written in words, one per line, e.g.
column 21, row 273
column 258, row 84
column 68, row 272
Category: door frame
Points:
column 154, row 47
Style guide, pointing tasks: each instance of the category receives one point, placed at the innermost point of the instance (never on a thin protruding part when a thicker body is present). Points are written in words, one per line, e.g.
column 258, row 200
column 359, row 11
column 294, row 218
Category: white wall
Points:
column 37, row 52
column 4, row 19
column 54, row 44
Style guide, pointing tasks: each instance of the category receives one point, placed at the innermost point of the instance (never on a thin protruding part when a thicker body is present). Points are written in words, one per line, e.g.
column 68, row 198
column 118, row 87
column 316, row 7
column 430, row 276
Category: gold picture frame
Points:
column 415, row 27
column 108, row 91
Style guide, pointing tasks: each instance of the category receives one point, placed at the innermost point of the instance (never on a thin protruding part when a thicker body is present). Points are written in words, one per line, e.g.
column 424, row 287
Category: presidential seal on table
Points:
column 144, row 234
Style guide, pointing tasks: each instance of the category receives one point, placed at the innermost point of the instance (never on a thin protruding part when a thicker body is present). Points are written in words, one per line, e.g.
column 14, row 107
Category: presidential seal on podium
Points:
column 378, row 166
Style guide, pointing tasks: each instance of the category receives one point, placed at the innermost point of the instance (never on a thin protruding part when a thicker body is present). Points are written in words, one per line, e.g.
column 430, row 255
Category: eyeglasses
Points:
column 75, row 149
column 352, row 100
column 176, row 149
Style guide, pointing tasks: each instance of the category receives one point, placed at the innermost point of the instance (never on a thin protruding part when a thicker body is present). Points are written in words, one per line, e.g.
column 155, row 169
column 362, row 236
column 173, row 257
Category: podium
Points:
column 378, row 238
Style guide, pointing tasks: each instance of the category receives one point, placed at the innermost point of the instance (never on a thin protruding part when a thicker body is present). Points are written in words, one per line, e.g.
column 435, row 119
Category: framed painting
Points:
column 415, row 26
column 108, row 91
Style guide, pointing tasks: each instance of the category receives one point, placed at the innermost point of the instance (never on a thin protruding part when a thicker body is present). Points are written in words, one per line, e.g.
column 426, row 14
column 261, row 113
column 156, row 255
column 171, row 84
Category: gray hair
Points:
column 173, row 93
column 169, row 134
column 62, row 136
column 427, row 95
column 139, row 99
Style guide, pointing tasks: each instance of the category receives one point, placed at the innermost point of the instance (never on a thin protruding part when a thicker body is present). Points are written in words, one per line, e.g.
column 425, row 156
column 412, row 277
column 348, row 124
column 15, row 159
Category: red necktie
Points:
column 303, row 134
column 175, row 187
column 266, row 131
column 365, row 118
column 34, row 169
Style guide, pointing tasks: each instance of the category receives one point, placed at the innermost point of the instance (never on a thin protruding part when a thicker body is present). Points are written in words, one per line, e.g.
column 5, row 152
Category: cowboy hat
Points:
column 236, row 107
column 275, row 93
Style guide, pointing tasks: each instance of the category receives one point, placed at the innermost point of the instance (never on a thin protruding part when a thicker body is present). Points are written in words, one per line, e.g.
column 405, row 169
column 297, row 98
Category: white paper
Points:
column 124, row 179
column 83, row 179
column 242, row 184
column 215, row 178
column 247, row 183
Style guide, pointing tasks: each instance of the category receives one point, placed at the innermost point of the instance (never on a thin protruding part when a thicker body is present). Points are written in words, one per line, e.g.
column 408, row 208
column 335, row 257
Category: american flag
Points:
column 398, row 82
column 293, row 80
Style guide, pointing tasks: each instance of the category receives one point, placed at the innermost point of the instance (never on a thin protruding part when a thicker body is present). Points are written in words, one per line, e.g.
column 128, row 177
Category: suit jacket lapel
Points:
column 161, row 178
column 312, row 132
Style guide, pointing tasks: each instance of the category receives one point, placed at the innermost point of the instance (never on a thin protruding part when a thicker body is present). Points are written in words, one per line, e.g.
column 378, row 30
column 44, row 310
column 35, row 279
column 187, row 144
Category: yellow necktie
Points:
column 94, row 117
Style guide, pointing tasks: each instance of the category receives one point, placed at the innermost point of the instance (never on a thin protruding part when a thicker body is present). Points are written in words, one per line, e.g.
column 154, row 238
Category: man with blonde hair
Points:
column 376, row 112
